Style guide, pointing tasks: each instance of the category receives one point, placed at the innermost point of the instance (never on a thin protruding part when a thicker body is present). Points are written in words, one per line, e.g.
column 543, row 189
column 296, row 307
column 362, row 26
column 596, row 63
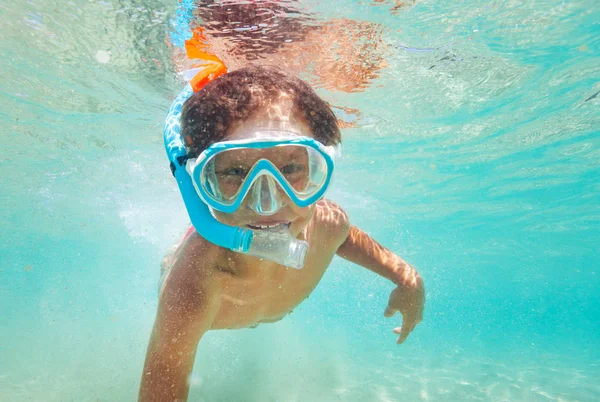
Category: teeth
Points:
column 265, row 227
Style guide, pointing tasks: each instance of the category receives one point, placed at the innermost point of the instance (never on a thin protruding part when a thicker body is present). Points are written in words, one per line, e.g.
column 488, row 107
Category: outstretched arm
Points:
column 409, row 295
column 187, row 307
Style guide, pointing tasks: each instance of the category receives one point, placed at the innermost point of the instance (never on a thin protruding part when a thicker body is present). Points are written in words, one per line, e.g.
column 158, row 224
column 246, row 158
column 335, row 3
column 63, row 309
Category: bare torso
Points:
column 253, row 291
column 208, row 287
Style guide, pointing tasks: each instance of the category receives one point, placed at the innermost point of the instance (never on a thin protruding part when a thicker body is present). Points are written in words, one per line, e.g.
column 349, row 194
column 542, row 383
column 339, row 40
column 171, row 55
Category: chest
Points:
column 270, row 295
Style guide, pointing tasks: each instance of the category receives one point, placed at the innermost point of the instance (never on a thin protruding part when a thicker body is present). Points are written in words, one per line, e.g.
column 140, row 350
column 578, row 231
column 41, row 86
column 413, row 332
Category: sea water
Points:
column 476, row 158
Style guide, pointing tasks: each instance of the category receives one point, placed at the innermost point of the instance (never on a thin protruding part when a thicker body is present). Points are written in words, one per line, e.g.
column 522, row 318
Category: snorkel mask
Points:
column 230, row 174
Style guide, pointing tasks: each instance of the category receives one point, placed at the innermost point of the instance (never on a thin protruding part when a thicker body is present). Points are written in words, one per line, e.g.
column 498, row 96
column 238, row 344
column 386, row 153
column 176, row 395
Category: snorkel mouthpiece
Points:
column 275, row 245
column 278, row 246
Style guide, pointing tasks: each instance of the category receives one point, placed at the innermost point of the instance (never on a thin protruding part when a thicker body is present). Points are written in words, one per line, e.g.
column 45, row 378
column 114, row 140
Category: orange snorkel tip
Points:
column 208, row 73
column 210, row 66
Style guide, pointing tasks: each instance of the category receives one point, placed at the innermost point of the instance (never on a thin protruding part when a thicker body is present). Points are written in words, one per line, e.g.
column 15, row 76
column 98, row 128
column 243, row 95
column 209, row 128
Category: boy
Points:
column 247, row 118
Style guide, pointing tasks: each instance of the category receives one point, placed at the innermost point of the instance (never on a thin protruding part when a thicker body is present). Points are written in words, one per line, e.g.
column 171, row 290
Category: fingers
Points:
column 391, row 308
column 389, row 311
column 408, row 325
column 404, row 331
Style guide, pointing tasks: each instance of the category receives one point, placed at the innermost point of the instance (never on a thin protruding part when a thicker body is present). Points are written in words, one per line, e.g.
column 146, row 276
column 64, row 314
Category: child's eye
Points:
column 237, row 172
column 292, row 168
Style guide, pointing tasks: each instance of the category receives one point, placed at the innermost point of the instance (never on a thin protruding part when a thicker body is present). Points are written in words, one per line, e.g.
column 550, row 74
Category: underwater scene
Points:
column 470, row 148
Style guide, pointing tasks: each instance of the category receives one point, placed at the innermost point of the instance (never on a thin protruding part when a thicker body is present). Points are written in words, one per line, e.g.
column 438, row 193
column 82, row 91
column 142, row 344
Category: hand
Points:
column 409, row 300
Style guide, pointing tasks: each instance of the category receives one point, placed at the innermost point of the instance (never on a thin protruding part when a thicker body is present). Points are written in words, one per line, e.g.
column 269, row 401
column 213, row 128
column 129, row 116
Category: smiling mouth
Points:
column 269, row 226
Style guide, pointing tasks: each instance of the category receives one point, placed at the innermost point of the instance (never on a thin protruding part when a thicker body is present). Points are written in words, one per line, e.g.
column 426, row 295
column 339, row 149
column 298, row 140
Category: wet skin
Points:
column 208, row 287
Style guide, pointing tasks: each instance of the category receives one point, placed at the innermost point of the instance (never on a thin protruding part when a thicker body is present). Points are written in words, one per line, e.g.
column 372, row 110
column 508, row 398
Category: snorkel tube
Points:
column 278, row 246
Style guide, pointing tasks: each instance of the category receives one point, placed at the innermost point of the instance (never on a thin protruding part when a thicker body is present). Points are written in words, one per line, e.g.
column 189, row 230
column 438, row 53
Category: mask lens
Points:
column 303, row 169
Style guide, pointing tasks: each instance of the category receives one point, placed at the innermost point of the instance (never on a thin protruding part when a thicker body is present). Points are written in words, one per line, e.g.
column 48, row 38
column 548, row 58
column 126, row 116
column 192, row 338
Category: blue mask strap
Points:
column 234, row 238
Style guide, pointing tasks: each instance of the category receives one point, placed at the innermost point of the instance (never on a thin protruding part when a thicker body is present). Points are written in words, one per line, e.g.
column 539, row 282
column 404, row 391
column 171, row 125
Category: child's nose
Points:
column 265, row 196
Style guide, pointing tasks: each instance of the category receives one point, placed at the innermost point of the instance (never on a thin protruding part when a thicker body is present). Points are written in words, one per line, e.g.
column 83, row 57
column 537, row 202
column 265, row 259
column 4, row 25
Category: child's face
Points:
column 272, row 119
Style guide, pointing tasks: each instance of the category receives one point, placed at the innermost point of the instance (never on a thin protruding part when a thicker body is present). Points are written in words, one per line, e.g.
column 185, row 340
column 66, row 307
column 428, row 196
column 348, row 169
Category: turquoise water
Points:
column 476, row 158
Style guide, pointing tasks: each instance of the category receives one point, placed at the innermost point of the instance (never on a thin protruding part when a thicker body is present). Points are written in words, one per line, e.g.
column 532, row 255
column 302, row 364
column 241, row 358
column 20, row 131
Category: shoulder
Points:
column 332, row 221
column 193, row 267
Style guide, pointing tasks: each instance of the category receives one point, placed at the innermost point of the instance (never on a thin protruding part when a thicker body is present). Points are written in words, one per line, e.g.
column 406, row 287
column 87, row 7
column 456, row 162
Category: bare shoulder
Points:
column 331, row 221
column 192, row 271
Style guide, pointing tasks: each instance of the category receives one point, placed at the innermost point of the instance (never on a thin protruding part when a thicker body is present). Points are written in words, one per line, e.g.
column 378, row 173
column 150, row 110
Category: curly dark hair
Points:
column 209, row 114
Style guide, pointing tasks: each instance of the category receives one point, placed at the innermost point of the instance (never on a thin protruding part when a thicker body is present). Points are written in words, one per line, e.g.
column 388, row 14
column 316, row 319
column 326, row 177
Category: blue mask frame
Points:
column 259, row 168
